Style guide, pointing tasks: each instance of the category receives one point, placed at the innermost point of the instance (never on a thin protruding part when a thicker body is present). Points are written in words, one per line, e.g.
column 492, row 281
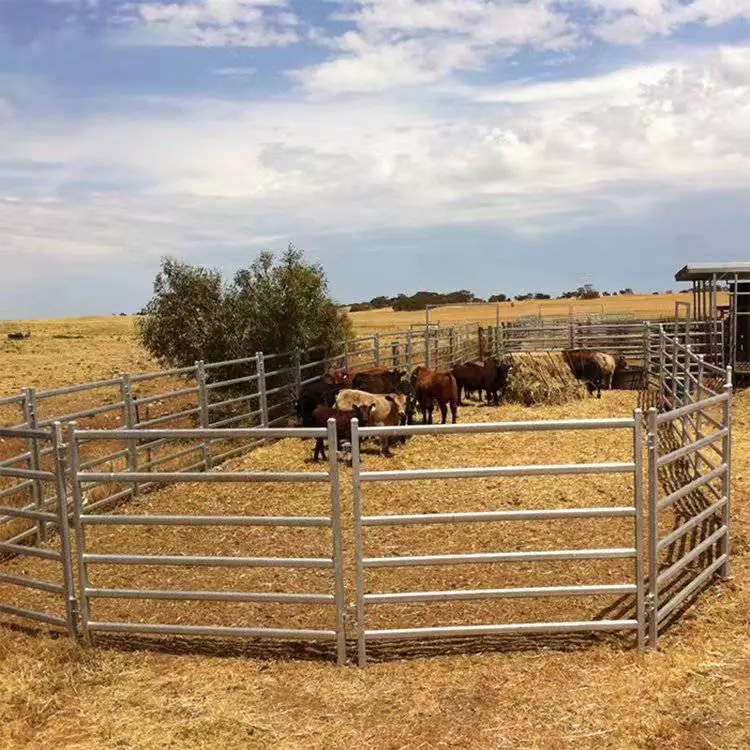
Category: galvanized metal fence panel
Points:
column 364, row 562
column 45, row 514
column 86, row 558
column 682, row 477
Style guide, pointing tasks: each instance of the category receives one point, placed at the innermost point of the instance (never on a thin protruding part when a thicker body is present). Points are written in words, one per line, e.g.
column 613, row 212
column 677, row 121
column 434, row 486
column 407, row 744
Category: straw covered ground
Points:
column 558, row 693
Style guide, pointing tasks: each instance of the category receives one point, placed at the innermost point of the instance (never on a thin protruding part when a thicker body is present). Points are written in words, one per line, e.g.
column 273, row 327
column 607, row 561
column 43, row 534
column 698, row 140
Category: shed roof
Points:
column 706, row 271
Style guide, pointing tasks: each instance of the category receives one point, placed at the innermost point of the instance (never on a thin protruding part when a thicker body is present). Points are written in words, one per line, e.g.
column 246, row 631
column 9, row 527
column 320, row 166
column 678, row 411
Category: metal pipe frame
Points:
column 514, row 629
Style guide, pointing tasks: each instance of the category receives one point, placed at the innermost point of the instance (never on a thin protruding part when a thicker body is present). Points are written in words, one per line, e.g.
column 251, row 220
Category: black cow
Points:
column 378, row 380
column 313, row 395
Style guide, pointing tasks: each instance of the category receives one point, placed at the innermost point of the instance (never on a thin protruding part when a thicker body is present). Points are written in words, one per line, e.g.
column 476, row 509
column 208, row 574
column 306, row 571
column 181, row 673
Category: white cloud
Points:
column 208, row 23
column 625, row 22
column 244, row 72
column 213, row 174
column 398, row 43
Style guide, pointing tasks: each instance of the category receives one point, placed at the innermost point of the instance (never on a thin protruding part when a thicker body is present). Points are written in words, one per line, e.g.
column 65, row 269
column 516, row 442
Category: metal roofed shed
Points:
column 711, row 279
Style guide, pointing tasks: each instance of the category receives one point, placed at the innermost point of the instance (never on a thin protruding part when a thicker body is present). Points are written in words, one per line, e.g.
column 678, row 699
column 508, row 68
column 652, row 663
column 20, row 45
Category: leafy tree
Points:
column 498, row 298
column 275, row 305
column 188, row 318
column 540, row 295
column 587, row 291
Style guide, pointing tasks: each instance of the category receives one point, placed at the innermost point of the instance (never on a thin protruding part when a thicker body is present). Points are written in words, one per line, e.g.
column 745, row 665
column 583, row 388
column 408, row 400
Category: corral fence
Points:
column 65, row 478
column 689, row 479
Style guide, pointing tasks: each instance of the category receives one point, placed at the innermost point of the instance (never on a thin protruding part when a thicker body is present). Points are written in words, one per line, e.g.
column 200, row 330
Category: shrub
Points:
column 275, row 305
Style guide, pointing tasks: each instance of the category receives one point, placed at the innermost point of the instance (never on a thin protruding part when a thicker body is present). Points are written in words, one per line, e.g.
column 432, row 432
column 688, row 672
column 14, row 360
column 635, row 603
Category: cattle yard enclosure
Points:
column 376, row 558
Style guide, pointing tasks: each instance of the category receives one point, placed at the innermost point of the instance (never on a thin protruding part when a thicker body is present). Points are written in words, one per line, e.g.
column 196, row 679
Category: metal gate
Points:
column 88, row 559
column 634, row 510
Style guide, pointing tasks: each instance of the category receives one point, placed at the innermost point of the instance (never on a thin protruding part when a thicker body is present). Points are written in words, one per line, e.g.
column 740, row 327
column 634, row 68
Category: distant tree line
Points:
column 420, row 300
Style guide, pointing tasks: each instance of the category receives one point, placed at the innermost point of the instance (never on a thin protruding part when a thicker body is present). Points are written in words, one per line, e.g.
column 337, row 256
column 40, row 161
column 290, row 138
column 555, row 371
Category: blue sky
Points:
column 405, row 144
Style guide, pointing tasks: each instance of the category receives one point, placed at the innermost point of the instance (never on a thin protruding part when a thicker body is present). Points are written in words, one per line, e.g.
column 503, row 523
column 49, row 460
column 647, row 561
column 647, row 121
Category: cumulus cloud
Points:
column 395, row 43
column 207, row 23
column 624, row 22
column 534, row 158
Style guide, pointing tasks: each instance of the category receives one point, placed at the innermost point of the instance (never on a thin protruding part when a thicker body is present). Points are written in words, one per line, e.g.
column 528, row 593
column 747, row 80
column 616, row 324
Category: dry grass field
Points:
column 639, row 306
column 136, row 694
column 76, row 350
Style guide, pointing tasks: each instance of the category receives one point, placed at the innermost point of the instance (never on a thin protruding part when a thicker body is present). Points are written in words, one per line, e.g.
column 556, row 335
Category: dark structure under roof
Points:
column 731, row 334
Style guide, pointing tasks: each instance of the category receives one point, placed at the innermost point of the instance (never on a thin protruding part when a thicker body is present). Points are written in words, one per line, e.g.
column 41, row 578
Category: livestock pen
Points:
column 447, row 541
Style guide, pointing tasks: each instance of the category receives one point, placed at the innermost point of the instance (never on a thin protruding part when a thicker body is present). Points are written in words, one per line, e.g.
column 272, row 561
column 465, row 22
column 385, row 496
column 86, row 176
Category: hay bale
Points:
column 542, row 378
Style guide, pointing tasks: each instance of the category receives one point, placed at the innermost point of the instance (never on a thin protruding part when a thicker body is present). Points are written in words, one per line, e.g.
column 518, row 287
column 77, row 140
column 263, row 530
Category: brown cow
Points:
column 378, row 380
column 431, row 386
column 492, row 376
column 469, row 376
column 343, row 418
column 389, row 410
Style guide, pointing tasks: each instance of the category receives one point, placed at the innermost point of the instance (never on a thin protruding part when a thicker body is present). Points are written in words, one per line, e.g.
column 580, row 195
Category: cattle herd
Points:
column 390, row 397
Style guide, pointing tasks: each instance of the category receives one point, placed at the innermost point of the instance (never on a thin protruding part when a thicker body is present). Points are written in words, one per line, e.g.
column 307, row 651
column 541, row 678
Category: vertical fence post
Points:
column 395, row 354
column 200, row 377
column 662, row 367
column 675, row 373
column 130, row 419
column 640, row 571
column 346, row 355
column 297, row 368
column 262, row 398
column 452, row 347
column 359, row 546
column 35, row 461
column 338, row 561
column 726, row 478
column 647, row 353
column 376, row 347
column 408, row 350
column 82, row 566
column 66, row 552
column 653, row 528
column 698, row 398
column 427, row 346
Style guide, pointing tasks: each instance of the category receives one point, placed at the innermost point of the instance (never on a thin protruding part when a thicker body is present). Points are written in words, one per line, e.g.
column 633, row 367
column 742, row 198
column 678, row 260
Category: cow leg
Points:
column 454, row 411
column 320, row 450
column 385, row 446
column 460, row 393
column 444, row 412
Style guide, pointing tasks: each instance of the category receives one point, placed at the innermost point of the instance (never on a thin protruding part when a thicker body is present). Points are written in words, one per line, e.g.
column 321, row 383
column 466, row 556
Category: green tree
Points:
column 188, row 318
column 275, row 305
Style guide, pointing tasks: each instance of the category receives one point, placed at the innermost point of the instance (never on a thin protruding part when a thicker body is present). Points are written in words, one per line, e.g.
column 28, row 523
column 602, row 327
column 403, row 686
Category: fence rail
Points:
column 148, row 436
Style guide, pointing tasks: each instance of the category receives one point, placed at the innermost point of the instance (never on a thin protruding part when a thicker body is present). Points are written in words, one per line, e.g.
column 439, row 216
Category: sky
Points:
column 498, row 146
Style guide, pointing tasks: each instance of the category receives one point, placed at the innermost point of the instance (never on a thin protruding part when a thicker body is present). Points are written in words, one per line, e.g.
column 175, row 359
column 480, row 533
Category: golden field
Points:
column 691, row 694
column 76, row 350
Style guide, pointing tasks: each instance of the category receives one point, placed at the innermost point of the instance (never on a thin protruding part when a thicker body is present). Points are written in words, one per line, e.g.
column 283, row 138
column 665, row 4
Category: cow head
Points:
column 415, row 373
column 339, row 377
column 401, row 402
